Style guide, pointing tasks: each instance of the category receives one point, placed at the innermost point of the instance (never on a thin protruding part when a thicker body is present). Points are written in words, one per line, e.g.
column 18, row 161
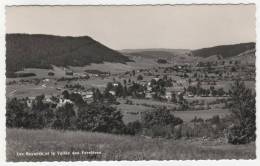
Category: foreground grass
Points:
column 116, row 147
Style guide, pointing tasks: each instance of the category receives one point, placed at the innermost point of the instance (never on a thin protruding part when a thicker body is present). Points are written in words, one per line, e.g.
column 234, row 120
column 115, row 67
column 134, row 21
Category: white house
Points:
column 30, row 101
column 62, row 102
column 112, row 92
column 168, row 95
column 88, row 95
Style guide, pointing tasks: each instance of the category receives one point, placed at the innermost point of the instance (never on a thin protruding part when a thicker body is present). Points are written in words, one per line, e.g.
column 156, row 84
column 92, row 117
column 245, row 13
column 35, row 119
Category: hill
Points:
column 42, row 51
column 155, row 53
column 226, row 51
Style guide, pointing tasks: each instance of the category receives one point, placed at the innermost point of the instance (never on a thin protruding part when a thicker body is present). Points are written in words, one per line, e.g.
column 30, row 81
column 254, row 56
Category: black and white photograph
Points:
column 130, row 82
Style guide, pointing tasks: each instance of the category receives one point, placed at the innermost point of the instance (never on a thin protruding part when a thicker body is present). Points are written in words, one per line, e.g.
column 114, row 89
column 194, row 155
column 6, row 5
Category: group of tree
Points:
column 198, row 90
column 243, row 107
column 90, row 117
column 162, row 61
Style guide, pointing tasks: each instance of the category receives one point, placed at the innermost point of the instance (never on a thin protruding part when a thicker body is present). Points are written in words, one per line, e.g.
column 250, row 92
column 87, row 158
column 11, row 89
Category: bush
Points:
column 162, row 61
column 91, row 117
column 18, row 114
column 139, row 77
column 65, row 117
column 160, row 131
column 133, row 128
column 100, row 118
column 16, row 111
column 235, row 135
column 51, row 74
column 160, row 117
column 159, row 123
column 197, row 120
column 25, row 74
column 242, row 106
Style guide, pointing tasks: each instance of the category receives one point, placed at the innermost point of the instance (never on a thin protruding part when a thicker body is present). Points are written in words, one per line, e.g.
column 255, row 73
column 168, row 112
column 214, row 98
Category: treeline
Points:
column 70, row 116
column 199, row 91
column 94, row 117
column 225, row 51
column 15, row 75
column 42, row 51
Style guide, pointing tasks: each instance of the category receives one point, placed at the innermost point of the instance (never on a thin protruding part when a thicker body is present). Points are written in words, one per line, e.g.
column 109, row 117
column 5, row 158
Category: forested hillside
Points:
column 225, row 51
column 42, row 51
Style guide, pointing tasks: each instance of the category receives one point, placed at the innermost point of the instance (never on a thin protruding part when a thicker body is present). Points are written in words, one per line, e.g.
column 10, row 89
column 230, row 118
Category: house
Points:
column 30, row 100
column 46, row 80
column 149, row 88
column 88, row 95
column 62, row 102
column 168, row 95
column 148, row 95
column 112, row 92
column 156, row 78
column 115, row 84
column 69, row 73
column 47, row 99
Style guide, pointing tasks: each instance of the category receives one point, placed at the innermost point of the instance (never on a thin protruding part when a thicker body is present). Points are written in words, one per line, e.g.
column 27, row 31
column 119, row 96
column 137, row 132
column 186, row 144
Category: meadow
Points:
column 115, row 147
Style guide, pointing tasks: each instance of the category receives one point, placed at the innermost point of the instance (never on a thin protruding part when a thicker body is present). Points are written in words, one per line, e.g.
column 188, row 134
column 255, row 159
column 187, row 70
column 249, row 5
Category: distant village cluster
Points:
column 173, row 84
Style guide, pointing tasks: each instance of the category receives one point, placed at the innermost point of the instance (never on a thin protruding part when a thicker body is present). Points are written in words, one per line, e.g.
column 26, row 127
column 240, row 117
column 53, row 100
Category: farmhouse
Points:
column 88, row 95
column 30, row 100
column 148, row 95
column 112, row 92
column 68, row 72
column 168, row 95
column 156, row 78
column 115, row 84
column 62, row 102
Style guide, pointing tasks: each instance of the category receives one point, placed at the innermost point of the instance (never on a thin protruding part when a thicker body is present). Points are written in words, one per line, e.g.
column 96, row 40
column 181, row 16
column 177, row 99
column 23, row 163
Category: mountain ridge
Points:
column 42, row 51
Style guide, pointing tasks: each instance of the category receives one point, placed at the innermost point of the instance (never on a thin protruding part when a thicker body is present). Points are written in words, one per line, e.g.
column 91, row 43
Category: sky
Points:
column 137, row 27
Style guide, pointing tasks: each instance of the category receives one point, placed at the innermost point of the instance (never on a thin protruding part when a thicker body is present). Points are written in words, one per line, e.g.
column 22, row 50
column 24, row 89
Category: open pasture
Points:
column 187, row 116
column 117, row 147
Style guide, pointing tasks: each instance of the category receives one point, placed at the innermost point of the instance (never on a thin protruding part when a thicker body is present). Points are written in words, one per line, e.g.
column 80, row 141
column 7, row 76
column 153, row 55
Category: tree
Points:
column 51, row 73
column 65, row 117
column 16, row 110
column 65, row 94
column 163, row 61
column 97, row 96
column 133, row 72
column 100, row 118
column 77, row 98
column 119, row 90
column 242, row 106
column 139, row 77
column 160, row 116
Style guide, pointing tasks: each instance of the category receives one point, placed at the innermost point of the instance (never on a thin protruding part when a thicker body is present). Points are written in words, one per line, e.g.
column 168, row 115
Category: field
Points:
column 116, row 147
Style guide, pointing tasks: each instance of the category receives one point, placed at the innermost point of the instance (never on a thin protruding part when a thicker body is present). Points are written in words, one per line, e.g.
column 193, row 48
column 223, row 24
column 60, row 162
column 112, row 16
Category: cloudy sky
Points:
column 129, row 27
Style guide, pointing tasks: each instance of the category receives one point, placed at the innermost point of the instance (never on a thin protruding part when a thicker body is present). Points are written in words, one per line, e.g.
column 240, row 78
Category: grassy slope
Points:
column 115, row 147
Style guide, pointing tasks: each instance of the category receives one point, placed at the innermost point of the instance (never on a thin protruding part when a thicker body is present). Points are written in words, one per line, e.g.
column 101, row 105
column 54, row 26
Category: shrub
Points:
column 162, row 61
column 18, row 114
column 161, row 116
column 159, row 123
column 100, row 118
column 197, row 120
column 139, row 77
column 133, row 128
column 65, row 117
column 242, row 106
column 51, row 73
column 15, row 113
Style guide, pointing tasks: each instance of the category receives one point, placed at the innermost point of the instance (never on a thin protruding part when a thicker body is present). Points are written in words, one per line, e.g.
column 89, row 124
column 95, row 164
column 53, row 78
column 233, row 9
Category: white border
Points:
column 121, row 2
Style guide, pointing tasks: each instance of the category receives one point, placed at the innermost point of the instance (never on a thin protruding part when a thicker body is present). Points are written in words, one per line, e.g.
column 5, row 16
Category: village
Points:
column 179, row 87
